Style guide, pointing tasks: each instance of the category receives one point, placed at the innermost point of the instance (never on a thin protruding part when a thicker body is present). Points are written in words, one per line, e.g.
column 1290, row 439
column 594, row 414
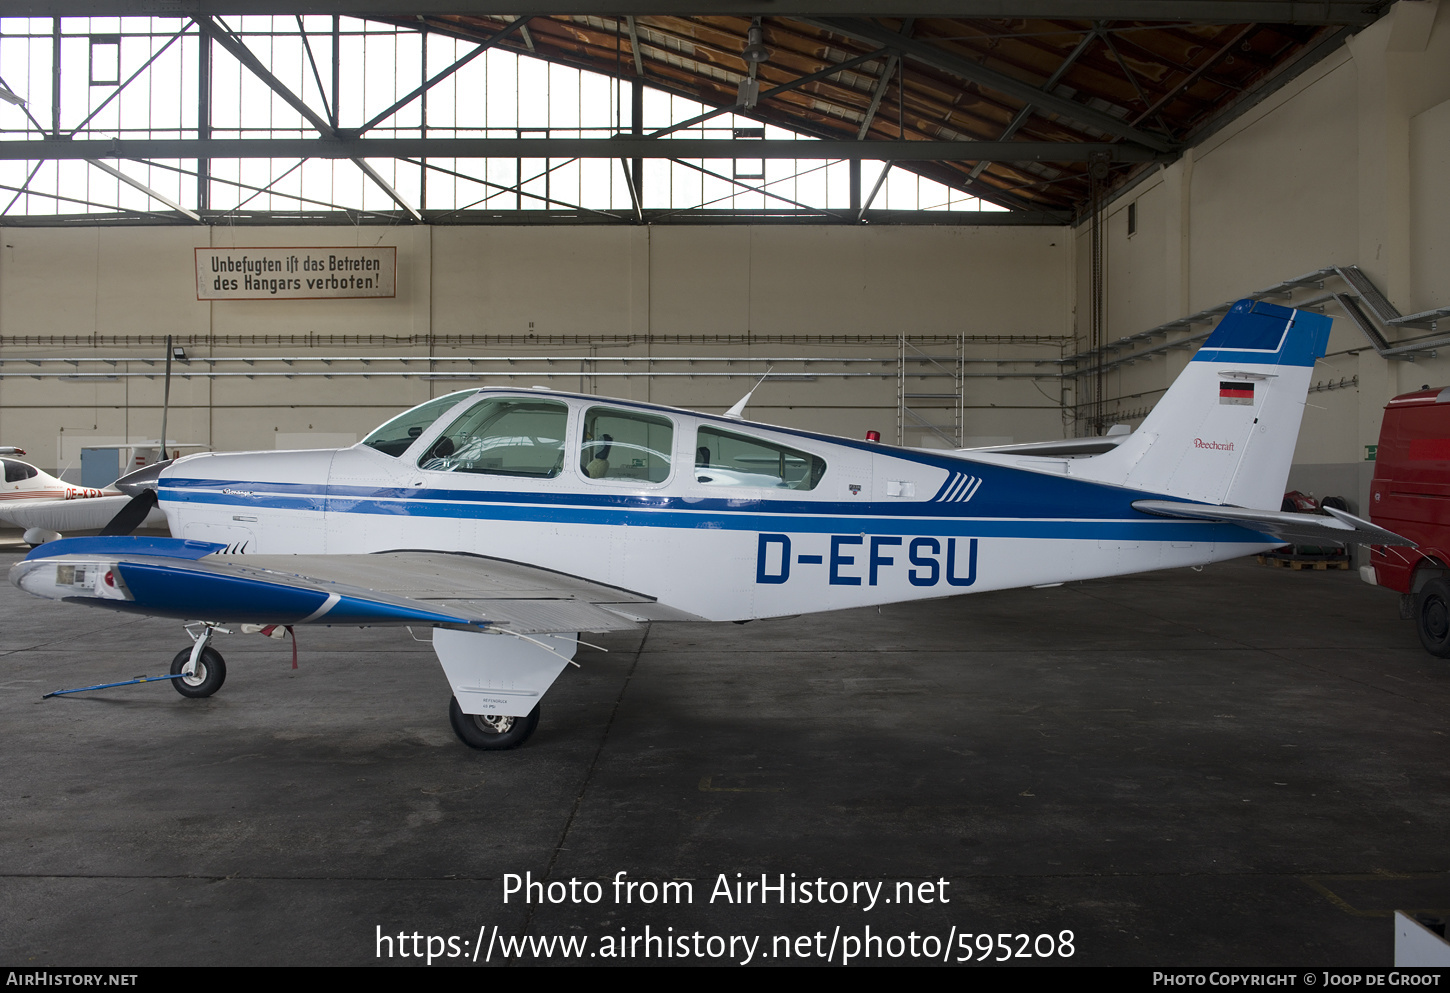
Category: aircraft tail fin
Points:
column 1224, row 433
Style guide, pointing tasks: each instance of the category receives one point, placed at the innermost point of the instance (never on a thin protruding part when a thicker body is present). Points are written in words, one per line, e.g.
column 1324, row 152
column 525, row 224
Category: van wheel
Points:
column 1432, row 617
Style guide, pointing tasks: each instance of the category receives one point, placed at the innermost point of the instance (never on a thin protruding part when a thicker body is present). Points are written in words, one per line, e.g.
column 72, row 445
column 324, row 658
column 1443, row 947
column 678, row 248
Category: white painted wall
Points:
column 743, row 292
column 1344, row 165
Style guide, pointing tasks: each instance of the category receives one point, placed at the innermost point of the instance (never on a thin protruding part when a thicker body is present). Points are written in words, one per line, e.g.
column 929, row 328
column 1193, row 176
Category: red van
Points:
column 1410, row 495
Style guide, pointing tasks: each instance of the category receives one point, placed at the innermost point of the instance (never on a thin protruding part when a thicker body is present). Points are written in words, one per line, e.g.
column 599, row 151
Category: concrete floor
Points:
column 1242, row 766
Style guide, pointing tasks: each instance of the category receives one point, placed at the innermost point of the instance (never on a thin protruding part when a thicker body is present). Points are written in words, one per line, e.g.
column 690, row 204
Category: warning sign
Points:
column 295, row 273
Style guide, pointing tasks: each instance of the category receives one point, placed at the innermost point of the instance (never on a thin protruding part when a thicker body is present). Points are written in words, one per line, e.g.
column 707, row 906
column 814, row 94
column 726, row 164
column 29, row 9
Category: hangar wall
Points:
column 563, row 292
column 1340, row 166
column 1344, row 165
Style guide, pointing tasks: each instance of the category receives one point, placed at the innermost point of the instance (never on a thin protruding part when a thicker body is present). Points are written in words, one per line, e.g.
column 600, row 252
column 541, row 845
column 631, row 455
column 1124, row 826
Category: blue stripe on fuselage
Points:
column 1116, row 523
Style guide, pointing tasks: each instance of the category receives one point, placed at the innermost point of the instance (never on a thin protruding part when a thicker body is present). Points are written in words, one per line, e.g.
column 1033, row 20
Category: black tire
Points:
column 1432, row 617
column 488, row 733
column 1338, row 503
column 211, row 672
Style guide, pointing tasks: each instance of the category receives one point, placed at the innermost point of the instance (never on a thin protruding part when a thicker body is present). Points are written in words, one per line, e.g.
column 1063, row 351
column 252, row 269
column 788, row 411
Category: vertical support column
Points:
column 1385, row 67
column 203, row 118
column 901, row 389
column 855, row 172
column 961, row 391
column 641, row 251
column 55, row 77
column 423, row 116
column 336, row 69
column 1177, row 228
column 421, row 280
column 636, row 113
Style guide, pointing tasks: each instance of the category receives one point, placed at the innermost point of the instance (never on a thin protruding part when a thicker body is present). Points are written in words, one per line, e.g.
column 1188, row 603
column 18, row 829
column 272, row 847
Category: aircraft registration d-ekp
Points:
column 511, row 521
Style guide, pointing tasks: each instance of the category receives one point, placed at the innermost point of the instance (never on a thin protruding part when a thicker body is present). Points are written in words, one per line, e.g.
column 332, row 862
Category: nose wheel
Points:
column 204, row 679
column 199, row 669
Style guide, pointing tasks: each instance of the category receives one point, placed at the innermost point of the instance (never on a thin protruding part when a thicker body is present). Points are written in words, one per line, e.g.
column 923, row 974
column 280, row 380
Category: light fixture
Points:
column 748, row 94
column 755, row 50
column 178, row 353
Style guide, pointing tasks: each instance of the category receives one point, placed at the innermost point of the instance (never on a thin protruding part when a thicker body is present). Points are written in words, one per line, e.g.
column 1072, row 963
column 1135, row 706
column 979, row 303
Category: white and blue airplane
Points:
column 511, row 521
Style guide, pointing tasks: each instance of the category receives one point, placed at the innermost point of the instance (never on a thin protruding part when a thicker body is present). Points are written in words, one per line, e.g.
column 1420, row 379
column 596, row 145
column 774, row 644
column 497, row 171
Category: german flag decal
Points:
column 1239, row 393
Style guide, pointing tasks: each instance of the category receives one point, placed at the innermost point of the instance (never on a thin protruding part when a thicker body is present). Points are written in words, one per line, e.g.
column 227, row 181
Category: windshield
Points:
column 395, row 437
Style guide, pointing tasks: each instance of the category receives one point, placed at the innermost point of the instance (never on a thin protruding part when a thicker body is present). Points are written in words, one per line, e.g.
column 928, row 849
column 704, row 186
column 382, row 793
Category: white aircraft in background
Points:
column 45, row 507
column 37, row 502
column 510, row 521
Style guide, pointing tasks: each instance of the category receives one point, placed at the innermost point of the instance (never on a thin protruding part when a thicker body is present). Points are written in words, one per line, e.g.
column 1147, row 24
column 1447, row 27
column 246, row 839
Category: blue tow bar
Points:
column 107, row 686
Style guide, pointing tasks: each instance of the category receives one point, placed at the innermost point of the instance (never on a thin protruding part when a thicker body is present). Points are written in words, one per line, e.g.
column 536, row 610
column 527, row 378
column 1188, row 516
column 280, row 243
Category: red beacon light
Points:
column 873, row 436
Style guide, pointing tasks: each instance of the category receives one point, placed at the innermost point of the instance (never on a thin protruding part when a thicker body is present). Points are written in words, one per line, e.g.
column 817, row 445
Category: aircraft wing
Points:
column 197, row 580
column 1340, row 529
column 51, row 514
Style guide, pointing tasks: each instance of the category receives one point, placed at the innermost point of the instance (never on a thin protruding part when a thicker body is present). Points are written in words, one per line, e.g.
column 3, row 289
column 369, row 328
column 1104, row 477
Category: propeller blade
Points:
column 131, row 516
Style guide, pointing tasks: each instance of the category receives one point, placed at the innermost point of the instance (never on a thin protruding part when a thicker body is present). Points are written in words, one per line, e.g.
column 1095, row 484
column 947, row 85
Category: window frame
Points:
column 757, row 439
column 676, row 432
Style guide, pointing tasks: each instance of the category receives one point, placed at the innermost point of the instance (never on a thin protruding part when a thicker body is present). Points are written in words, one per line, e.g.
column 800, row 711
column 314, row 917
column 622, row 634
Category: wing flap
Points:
column 1340, row 529
column 542, row 616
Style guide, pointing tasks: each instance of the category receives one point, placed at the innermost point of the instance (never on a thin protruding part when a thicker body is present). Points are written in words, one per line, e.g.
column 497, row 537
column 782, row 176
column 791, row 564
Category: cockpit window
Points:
column 397, row 436
column 16, row 471
column 508, row 436
column 626, row 444
column 726, row 459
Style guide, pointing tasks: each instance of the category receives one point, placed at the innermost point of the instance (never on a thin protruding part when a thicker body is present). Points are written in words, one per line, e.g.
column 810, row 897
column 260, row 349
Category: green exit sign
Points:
column 1369, row 451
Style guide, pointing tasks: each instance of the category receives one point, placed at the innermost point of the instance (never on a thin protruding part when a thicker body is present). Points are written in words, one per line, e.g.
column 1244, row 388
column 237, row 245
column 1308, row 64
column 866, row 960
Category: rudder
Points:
column 1225, row 431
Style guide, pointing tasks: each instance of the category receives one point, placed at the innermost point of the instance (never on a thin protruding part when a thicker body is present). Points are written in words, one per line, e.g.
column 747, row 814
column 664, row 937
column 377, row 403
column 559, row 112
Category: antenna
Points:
column 737, row 412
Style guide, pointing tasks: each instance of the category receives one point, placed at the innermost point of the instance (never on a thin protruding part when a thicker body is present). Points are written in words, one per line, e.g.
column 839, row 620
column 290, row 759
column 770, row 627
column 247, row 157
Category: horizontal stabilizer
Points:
column 1341, row 529
column 1070, row 447
column 1065, row 447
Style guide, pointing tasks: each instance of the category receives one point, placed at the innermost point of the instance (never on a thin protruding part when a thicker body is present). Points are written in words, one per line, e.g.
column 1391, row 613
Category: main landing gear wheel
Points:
column 1432, row 617
column 490, row 732
column 210, row 673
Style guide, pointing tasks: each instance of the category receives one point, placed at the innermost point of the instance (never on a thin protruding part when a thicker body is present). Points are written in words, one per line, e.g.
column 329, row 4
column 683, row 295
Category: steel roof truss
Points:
column 136, row 183
column 1028, row 109
column 829, row 70
column 483, row 46
column 945, row 61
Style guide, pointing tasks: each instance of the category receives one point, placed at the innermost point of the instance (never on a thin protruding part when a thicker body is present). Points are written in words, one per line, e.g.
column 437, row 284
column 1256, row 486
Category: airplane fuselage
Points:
column 723, row 518
column 22, row 481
